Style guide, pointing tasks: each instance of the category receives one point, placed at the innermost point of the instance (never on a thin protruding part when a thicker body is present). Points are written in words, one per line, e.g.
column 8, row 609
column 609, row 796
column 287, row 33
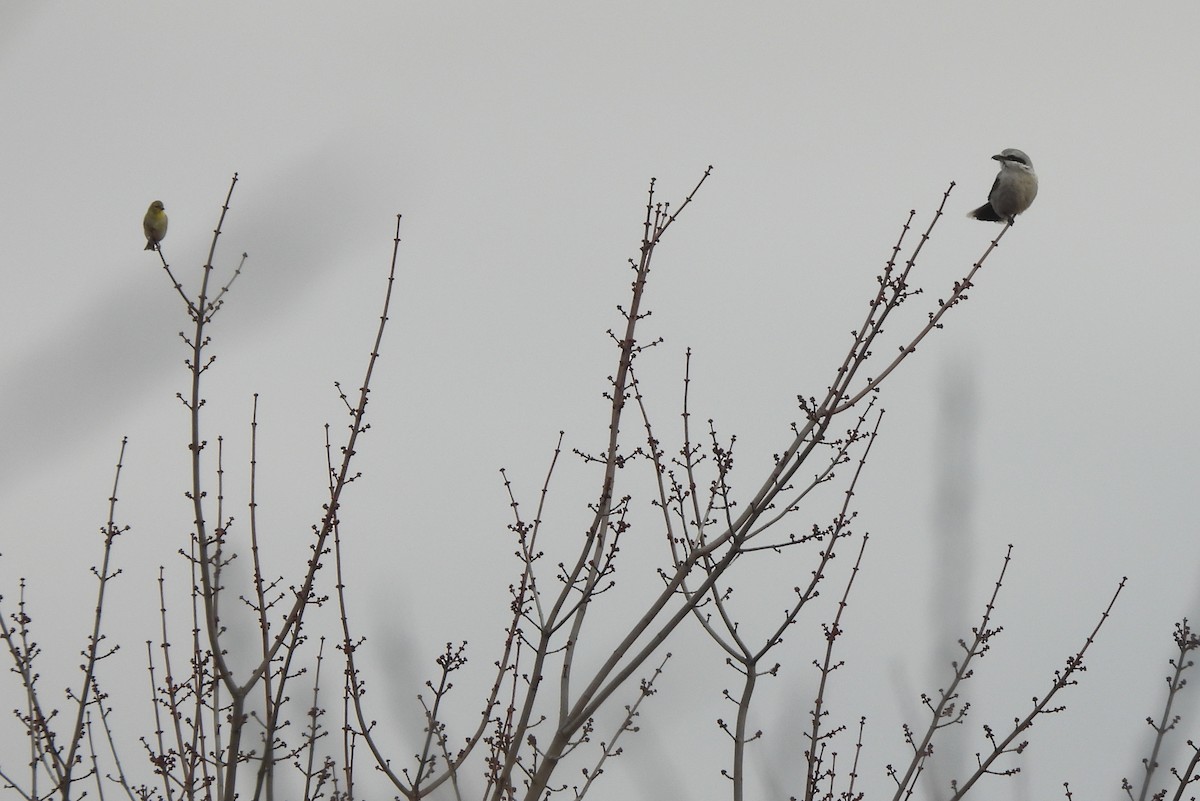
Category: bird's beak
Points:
column 998, row 157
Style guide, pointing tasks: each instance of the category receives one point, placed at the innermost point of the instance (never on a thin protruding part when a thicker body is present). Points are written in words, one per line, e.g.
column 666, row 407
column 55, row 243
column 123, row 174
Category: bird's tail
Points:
column 986, row 213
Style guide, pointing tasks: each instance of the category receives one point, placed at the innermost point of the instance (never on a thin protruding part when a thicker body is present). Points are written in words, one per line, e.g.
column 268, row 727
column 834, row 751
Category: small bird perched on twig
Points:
column 155, row 224
column 1014, row 190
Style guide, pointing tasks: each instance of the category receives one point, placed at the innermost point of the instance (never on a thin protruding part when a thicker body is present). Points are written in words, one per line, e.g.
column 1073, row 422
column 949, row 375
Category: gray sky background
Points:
column 517, row 140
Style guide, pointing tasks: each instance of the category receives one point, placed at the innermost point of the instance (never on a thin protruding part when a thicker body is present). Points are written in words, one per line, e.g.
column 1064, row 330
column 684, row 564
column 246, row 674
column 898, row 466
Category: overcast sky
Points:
column 517, row 140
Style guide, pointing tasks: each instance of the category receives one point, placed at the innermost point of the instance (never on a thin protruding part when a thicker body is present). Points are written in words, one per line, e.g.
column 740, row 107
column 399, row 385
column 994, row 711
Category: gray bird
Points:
column 1014, row 190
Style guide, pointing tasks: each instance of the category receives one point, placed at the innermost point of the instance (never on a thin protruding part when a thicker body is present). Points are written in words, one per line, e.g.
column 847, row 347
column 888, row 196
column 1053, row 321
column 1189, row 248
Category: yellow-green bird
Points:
column 155, row 224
